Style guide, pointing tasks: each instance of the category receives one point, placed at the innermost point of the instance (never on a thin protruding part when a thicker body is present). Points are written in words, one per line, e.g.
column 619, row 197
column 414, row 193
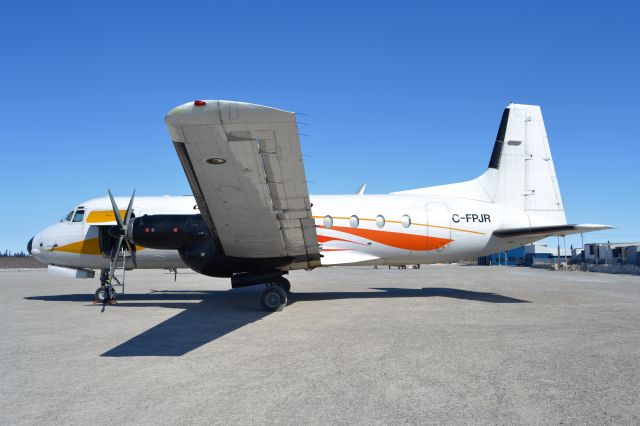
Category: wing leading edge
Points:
column 244, row 165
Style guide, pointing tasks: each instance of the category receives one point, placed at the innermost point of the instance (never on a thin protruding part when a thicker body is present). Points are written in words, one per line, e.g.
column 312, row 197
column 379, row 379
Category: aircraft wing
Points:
column 548, row 231
column 245, row 168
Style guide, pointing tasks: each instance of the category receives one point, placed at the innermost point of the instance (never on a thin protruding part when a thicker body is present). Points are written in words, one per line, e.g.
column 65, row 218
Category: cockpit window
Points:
column 68, row 218
column 78, row 216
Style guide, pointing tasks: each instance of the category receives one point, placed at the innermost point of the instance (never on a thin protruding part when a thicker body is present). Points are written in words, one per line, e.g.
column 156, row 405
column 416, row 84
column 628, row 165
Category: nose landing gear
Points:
column 106, row 293
column 123, row 248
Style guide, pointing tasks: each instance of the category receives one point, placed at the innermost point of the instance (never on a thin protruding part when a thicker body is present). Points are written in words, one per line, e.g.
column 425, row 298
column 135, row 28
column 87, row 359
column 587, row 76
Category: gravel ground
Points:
column 443, row 344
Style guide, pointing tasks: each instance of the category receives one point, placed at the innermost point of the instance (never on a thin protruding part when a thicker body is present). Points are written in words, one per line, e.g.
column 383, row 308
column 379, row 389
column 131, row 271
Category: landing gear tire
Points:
column 102, row 295
column 105, row 294
column 284, row 284
column 274, row 298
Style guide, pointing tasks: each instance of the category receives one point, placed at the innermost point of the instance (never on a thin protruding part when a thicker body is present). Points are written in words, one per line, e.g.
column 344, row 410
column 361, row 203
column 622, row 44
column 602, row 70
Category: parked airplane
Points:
column 251, row 218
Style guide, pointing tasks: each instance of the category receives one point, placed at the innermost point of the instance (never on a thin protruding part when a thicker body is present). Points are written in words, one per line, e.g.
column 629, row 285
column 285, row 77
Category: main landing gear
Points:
column 274, row 298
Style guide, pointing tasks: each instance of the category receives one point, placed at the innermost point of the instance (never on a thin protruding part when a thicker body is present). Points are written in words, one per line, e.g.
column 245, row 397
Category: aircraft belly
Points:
column 75, row 260
column 145, row 259
column 157, row 259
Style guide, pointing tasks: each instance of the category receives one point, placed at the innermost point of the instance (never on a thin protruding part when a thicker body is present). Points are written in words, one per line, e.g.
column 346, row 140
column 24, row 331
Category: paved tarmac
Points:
column 443, row 344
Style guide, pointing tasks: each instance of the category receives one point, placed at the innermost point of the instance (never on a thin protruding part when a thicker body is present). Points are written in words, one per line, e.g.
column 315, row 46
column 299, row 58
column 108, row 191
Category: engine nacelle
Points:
column 206, row 257
column 198, row 249
column 167, row 231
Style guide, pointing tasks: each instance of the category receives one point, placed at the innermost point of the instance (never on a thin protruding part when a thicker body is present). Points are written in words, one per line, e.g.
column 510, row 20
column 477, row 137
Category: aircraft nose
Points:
column 30, row 245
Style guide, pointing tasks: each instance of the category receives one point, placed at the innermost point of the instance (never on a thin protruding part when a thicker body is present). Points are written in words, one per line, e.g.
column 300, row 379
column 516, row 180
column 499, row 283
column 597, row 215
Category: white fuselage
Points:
column 352, row 230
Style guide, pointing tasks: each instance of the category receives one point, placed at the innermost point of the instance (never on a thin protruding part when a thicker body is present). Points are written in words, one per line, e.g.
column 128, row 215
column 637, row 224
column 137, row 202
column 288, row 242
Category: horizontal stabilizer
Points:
column 548, row 231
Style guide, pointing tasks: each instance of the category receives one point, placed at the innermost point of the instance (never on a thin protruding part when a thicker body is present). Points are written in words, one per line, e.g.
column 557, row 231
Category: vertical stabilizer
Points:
column 521, row 173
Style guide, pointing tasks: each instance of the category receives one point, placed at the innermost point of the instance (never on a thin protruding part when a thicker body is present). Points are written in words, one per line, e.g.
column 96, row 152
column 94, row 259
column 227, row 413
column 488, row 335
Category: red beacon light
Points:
column 199, row 103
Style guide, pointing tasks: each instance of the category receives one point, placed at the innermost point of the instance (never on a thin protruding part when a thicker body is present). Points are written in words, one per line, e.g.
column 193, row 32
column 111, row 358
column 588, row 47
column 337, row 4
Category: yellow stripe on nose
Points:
column 100, row 216
column 89, row 246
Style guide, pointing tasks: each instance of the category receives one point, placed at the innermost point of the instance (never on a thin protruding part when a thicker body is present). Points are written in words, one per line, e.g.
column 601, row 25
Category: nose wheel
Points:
column 106, row 293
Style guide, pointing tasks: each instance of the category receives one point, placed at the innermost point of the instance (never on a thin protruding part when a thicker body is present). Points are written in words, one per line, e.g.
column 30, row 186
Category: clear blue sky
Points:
column 398, row 94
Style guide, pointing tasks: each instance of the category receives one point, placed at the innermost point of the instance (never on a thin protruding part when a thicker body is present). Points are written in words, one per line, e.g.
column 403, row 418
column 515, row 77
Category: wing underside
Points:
column 540, row 232
column 245, row 168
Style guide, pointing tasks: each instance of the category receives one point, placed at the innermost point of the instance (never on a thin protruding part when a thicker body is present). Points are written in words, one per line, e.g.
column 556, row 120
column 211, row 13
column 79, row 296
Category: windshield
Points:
column 78, row 216
column 67, row 218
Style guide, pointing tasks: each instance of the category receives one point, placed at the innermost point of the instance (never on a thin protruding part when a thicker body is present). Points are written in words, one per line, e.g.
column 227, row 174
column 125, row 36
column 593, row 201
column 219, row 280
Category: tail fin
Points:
column 521, row 173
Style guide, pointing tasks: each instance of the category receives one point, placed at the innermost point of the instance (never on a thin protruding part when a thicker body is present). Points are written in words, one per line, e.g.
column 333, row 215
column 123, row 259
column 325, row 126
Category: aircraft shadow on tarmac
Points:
column 208, row 315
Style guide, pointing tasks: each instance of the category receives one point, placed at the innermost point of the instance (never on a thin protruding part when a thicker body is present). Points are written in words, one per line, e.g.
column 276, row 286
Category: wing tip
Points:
column 212, row 110
column 592, row 227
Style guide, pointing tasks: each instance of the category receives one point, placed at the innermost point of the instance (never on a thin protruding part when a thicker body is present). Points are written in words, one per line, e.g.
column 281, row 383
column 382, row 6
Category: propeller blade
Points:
column 129, row 209
column 116, row 210
column 123, row 226
column 114, row 258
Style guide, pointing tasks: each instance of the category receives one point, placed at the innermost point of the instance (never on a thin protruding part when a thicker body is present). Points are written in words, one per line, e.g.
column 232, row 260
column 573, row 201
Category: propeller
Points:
column 119, row 231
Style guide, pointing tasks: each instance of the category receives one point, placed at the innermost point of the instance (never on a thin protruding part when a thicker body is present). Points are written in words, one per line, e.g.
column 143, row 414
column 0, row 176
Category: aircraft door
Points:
column 439, row 229
column 79, row 219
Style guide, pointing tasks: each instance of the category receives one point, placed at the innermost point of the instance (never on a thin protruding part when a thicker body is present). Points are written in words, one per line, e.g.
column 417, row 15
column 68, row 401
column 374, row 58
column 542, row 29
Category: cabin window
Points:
column 78, row 216
column 328, row 221
column 406, row 221
column 354, row 221
column 380, row 221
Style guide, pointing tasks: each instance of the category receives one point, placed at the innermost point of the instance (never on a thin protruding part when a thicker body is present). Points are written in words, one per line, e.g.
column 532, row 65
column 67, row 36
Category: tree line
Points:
column 8, row 253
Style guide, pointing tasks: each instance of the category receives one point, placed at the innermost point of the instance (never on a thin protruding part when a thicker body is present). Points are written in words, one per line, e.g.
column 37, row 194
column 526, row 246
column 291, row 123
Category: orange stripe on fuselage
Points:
column 399, row 240
column 326, row 239
column 399, row 222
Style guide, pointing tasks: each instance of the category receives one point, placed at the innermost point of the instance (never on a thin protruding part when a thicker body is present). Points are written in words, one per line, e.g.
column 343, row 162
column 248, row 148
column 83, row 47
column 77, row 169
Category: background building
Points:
column 592, row 253
column 527, row 255
column 610, row 253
